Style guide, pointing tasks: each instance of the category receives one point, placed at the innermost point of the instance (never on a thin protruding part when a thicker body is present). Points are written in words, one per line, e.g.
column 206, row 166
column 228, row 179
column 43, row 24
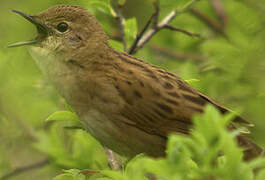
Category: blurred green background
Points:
column 228, row 63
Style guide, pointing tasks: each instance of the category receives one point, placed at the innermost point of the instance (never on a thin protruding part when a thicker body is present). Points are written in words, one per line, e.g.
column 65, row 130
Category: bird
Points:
column 127, row 104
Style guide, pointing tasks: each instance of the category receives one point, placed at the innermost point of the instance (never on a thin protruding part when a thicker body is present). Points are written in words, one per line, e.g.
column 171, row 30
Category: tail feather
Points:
column 251, row 149
column 238, row 119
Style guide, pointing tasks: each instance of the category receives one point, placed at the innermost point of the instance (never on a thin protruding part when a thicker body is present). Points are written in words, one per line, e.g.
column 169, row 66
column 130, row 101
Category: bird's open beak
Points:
column 42, row 31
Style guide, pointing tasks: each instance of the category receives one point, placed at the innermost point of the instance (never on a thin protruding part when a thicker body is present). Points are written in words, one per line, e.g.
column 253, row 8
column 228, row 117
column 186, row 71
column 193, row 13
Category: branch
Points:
column 22, row 169
column 209, row 22
column 156, row 13
column 29, row 131
column 145, row 37
column 220, row 11
column 254, row 5
column 177, row 55
column 181, row 30
column 149, row 34
column 139, row 35
column 121, row 20
column 89, row 172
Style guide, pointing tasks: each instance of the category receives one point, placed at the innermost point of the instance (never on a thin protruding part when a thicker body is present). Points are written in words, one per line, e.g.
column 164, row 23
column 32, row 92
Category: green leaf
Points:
column 192, row 80
column 122, row 2
column 260, row 162
column 173, row 4
column 63, row 116
column 116, row 45
column 113, row 174
column 71, row 174
column 101, row 5
column 68, row 107
column 67, row 116
column 130, row 30
column 261, row 175
column 73, row 127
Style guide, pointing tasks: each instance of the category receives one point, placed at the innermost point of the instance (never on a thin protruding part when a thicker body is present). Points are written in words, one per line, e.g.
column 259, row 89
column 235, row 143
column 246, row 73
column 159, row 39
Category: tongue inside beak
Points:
column 42, row 31
column 23, row 43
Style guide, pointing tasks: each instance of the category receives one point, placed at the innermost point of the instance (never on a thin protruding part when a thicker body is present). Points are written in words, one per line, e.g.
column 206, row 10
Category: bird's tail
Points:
column 251, row 149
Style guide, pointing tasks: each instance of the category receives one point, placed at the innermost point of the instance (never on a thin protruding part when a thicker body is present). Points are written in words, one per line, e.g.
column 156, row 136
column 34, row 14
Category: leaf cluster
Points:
column 209, row 153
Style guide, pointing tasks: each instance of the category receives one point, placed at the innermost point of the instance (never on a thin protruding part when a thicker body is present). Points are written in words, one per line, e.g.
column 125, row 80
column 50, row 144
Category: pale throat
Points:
column 54, row 67
column 47, row 58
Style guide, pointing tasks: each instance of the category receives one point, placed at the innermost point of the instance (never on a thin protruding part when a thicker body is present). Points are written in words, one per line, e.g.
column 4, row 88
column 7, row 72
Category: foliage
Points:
column 225, row 63
column 189, row 157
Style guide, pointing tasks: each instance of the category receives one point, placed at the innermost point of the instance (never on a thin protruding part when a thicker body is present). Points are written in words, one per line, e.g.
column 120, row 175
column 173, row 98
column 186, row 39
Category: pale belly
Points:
column 121, row 138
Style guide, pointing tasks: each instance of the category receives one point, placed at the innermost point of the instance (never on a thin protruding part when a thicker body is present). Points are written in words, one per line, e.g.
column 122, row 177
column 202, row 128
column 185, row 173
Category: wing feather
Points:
column 158, row 102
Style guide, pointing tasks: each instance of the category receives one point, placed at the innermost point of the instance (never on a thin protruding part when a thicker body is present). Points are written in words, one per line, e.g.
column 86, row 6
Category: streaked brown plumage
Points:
column 130, row 106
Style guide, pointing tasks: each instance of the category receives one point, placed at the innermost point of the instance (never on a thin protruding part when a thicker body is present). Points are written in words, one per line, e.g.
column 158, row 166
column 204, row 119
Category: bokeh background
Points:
column 227, row 63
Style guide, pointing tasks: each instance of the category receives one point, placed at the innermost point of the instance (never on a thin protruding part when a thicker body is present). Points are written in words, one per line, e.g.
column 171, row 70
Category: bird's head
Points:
column 64, row 27
column 65, row 34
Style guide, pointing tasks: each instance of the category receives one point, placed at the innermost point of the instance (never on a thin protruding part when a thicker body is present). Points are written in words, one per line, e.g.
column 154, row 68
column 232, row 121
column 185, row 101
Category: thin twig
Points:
column 149, row 34
column 157, row 27
column 177, row 55
column 89, row 172
column 254, row 5
column 209, row 22
column 220, row 11
column 181, row 30
column 29, row 131
column 139, row 35
column 156, row 13
column 121, row 20
column 23, row 169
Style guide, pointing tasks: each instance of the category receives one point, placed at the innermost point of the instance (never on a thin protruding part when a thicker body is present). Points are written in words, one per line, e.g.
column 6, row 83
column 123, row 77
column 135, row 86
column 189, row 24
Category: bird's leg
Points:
column 113, row 162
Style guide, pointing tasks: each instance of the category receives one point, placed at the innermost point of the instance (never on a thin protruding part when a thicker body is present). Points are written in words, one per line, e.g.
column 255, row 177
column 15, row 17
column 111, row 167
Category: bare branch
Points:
column 158, row 26
column 29, row 131
column 255, row 5
column 220, row 11
column 23, row 169
column 154, row 19
column 149, row 34
column 181, row 30
column 89, row 172
column 156, row 13
column 121, row 20
column 177, row 55
column 139, row 36
column 209, row 22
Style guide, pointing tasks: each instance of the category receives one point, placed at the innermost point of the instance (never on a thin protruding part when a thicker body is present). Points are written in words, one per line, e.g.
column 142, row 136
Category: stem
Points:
column 181, row 30
column 20, row 170
column 141, row 41
column 121, row 20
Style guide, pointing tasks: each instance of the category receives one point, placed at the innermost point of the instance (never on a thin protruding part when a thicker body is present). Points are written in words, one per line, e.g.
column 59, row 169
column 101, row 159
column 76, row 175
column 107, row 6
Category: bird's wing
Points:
column 158, row 102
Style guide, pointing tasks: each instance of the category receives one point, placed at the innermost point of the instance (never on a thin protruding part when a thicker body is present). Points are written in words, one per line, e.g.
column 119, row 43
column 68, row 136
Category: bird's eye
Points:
column 62, row 27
